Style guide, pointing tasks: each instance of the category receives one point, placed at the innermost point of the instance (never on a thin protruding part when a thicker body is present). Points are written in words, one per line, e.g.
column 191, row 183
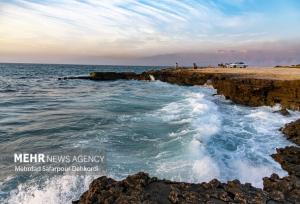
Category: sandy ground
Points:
column 259, row 73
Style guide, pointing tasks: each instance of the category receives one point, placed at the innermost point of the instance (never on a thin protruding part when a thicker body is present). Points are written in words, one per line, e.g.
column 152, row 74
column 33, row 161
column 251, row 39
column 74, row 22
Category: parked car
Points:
column 237, row 65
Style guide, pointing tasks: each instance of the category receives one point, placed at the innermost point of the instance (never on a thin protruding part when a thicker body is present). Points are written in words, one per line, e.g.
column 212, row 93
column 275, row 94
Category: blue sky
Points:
column 138, row 31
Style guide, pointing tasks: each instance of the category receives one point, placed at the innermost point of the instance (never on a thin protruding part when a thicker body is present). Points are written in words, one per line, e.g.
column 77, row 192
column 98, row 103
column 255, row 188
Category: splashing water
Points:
column 152, row 77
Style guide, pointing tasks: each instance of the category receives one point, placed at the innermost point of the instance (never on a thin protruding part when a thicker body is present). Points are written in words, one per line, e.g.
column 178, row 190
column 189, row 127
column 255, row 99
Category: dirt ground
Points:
column 255, row 72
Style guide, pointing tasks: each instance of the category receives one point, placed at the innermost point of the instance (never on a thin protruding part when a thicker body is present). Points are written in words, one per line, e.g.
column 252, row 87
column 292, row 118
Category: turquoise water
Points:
column 174, row 132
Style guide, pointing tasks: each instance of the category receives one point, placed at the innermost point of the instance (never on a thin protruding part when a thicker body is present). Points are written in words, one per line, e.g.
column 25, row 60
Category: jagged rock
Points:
column 140, row 188
column 289, row 159
column 292, row 131
column 283, row 190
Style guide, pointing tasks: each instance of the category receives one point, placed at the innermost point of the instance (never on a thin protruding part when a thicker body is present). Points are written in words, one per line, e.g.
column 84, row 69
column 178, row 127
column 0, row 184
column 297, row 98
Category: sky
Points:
column 150, row 32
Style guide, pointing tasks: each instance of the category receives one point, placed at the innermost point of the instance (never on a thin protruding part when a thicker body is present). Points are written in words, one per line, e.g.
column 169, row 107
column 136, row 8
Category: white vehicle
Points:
column 237, row 65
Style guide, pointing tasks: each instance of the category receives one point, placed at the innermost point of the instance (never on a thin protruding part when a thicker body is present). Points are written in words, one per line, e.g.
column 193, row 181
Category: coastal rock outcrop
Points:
column 258, row 92
column 140, row 188
column 240, row 88
column 282, row 190
column 286, row 189
column 289, row 159
column 112, row 75
column 292, row 131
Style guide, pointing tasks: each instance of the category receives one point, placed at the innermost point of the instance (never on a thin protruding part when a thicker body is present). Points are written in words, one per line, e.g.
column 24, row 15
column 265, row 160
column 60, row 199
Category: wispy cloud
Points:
column 127, row 28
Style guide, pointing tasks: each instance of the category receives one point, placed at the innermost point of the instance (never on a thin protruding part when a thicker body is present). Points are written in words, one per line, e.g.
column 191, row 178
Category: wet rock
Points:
column 283, row 112
column 140, row 188
column 112, row 75
column 282, row 190
column 289, row 159
column 292, row 131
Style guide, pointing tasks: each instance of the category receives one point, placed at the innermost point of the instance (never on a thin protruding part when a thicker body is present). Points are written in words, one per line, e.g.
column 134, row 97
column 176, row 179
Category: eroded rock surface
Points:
column 282, row 190
column 140, row 188
column 289, row 159
column 292, row 131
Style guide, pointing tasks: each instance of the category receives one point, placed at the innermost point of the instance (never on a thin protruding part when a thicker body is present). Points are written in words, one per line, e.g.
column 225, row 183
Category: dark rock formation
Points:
column 292, row 131
column 140, row 188
column 282, row 190
column 113, row 75
column 289, row 159
column 286, row 189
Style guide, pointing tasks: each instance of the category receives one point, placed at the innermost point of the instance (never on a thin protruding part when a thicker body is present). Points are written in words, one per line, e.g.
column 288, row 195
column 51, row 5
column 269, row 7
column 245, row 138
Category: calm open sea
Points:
column 175, row 132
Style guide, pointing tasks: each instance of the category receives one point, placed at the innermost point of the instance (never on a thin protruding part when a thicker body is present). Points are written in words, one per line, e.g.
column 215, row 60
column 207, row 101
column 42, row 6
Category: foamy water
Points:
column 173, row 132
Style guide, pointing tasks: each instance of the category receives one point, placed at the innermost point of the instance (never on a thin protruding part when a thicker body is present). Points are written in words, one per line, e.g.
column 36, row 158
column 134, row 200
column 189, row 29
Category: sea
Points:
column 180, row 133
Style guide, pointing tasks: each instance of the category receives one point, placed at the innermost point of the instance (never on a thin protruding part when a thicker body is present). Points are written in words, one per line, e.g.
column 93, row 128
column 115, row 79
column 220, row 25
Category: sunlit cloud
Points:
column 129, row 28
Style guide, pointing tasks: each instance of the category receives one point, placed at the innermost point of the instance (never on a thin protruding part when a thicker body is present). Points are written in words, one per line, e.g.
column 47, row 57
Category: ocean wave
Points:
column 57, row 189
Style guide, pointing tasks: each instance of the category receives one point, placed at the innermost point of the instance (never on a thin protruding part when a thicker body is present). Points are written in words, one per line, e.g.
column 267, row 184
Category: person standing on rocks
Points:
column 195, row 65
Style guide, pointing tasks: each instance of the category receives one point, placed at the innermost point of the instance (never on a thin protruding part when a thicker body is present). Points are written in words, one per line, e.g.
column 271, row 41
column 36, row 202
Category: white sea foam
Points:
column 56, row 190
column 152, row 77
column 189, row 170
column 249, row 173
column 193, row 164
column 245, row 138
column 202, row 114
column 205, row 169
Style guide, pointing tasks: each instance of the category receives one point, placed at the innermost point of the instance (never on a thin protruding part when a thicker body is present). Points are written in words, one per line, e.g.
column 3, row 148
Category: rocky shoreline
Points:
column 242, row 89
column 245, row 89
column 292, row 131
column 140, row 188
